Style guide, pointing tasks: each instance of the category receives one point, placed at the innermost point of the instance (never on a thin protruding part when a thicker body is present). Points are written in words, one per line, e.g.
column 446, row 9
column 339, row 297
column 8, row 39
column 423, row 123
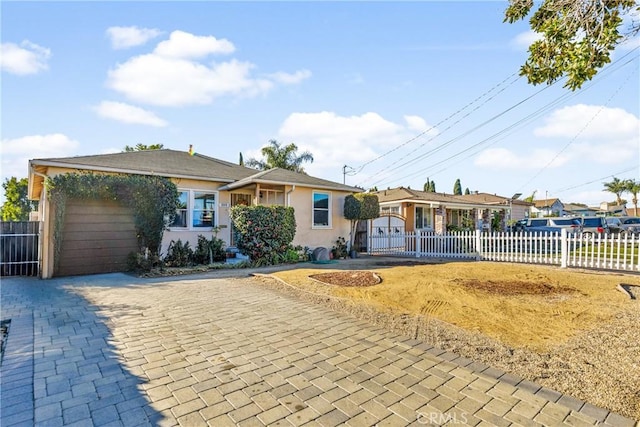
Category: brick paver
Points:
column 117, row 350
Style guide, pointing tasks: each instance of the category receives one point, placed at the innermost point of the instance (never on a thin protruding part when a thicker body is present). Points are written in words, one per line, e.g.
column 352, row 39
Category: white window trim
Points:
column 190, row 206
column 430, row 221
column 330, row 210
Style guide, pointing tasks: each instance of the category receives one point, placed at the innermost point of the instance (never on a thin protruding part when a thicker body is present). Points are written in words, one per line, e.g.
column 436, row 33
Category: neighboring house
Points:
column 571, row 209
column 404, row 209
column 547, row 207
column 610, row 209
column 208, row 189
column 518, row 209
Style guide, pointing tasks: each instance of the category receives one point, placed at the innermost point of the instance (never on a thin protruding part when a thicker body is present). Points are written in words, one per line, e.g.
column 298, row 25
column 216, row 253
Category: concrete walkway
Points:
column 113, row 350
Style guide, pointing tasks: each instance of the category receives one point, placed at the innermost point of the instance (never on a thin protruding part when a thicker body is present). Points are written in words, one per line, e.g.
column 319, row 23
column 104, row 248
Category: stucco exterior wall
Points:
column 306, row 235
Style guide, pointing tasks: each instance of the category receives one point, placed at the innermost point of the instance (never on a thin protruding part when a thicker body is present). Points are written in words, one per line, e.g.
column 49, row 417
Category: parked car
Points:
column 614, row 223
column 572, row 224
column 594, row 225
column 630, row 225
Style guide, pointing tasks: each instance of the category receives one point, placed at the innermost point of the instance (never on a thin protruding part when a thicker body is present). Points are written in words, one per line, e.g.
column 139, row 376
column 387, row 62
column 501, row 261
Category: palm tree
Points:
column 278, row 156
column 617, row 187
column 632, row 186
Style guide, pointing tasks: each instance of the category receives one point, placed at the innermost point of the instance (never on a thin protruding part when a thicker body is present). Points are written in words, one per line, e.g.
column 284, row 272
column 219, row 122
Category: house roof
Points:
column 491, row 199
column 545, row 203
column 402, row 194
column 173, row 164
column 286, row 177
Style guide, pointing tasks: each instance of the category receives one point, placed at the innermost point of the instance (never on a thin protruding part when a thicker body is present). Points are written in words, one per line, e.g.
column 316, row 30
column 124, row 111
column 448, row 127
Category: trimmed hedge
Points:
column 264, row 233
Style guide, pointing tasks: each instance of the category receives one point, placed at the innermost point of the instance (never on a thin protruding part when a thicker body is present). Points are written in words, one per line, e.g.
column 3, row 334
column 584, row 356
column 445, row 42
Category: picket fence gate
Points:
column 608, row 252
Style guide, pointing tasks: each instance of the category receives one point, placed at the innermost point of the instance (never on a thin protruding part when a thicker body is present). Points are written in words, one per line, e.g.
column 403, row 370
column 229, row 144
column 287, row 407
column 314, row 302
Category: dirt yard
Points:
column 574, row 331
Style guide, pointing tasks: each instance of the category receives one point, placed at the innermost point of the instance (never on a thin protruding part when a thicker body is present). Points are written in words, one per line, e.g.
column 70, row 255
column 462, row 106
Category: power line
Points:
column 563, row 98
column 586, row 125
column 440, row 122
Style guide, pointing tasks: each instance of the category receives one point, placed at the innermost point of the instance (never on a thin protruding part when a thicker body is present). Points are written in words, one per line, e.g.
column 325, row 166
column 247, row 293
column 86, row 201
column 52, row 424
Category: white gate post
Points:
column 418, row 248
column 478, row 245
column 564, row 248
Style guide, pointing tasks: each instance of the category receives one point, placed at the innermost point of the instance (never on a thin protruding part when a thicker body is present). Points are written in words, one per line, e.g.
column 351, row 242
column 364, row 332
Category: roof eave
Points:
column 126, row 171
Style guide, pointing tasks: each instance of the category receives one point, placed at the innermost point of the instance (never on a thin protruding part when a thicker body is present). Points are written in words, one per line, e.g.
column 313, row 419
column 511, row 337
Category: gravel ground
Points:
column 600, row 366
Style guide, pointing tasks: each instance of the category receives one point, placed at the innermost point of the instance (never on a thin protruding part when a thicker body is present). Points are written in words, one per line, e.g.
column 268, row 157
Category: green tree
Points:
column 577, row 37
column 281, row 156
column 360, row 206
column 241, row 160
column 532, row 197
column 466, row 191
column 429, row 186
column 617, row 187
column 16, row 206
column 143, row 147
column 457, row 188
column 633, row 187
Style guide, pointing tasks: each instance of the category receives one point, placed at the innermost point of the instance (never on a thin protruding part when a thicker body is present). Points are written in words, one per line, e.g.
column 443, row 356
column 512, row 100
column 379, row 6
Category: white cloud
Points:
column 419, row 124
column 126, row 37
column 17, row 152
column 336, row 140
column 27, row 58
column 287, row 78
column 525, row 39
column 128, row 114
column 590, row 122
column 501, row 158
column 171, row 76
column 159, row 80
column 186, row 45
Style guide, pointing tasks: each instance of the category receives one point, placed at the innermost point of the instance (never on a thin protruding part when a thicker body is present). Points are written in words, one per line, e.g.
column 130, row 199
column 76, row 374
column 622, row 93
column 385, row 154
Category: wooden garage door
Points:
column 97, row 238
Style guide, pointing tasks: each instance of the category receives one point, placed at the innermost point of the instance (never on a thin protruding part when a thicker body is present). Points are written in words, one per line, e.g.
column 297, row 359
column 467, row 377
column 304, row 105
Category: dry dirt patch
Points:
column 523, row 306
column 570, row 330
column 348, row 278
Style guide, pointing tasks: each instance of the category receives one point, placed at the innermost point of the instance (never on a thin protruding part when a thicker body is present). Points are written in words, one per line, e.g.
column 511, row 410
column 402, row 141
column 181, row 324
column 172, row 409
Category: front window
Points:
column 204, row 205
column 321, row 209
column 197, row 208
column 423, row 217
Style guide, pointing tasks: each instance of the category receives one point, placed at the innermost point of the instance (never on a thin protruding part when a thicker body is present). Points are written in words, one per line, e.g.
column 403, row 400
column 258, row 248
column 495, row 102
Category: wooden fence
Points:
column 611, row 252
column 19, row 249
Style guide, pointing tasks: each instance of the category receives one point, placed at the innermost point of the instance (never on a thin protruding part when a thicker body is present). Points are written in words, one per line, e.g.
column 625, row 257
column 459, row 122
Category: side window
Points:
column 180, row 219
column 321, row 209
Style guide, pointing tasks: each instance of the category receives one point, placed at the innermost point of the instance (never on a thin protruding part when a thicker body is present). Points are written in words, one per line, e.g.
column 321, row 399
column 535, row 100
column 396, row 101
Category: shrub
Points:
column 361, row 206
column 142, row 263
column 179, row 254
column 263, row 233
column 340, row 248
column 209, row 251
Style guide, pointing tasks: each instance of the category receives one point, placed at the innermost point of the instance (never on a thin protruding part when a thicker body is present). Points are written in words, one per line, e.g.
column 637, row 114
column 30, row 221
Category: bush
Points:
column 340, row 248
column 264, row 233
column 143, row 263
column 179, row 254
column 209, row 251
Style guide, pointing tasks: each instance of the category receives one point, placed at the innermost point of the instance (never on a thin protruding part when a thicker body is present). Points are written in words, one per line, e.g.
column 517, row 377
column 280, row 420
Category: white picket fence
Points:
column 612, row 252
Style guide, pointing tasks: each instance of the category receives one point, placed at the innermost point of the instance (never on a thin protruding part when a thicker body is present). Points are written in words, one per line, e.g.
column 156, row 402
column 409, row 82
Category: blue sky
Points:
column 397, row 92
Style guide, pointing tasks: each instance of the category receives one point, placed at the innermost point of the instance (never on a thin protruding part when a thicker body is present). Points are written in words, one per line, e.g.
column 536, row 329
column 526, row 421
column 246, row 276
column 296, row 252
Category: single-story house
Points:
column 208, row 188
column 404, row 209
column 547, row 207
column 571, row 209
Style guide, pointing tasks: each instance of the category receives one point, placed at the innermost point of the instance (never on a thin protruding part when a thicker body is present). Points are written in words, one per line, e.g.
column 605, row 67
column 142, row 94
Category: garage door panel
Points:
column 97, row 238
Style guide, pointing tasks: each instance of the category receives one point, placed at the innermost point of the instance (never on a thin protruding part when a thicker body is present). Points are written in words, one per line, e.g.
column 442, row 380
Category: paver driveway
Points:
column 113, row 350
